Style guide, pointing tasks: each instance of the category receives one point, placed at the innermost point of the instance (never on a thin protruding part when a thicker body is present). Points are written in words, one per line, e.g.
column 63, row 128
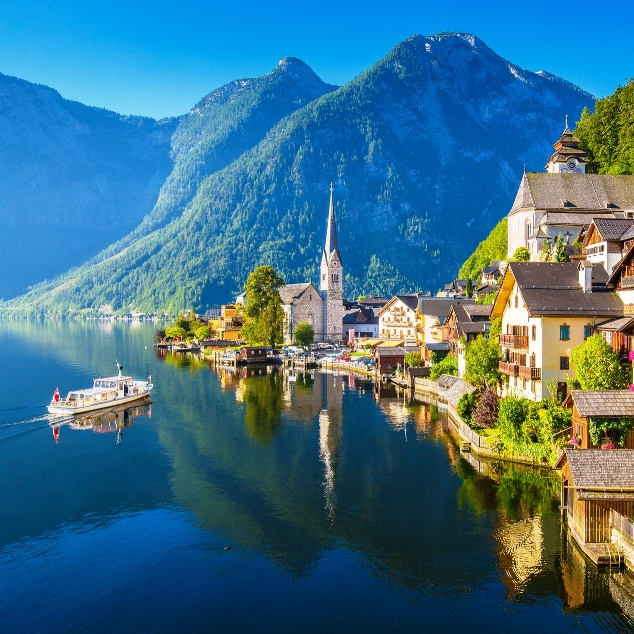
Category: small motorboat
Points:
column 105, row 392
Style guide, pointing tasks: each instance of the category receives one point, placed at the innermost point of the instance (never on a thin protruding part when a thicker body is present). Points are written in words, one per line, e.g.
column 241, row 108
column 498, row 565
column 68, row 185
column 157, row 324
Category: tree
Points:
column 182, row 322
column 546, row 254
column 202, row 333
column 449, row 365
column 304, row 334
column 482, row 359
column 264, row 307
column 159, row 335
column 485, row 413
column 469, row 289
column 560, row 249
column 522, row 254
column 598, row 367
column 413, row 359
column 176, row 332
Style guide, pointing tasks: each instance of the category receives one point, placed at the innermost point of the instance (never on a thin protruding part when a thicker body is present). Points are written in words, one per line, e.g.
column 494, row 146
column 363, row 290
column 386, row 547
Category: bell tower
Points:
column 568, row 157
column 331, row 282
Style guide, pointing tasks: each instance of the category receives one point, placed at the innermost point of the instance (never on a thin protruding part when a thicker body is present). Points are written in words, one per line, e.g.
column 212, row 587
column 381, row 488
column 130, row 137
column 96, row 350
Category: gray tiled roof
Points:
column 613, row 228
column 390, row 352
column 478, row 310
column 440, row 306
column 289, row 292
column 597, row 192
column 552, row 288
column 554, row 218
column 598, row 468
column 411, row 301
column 470, row 328
column 605, row 403
column 617, row 325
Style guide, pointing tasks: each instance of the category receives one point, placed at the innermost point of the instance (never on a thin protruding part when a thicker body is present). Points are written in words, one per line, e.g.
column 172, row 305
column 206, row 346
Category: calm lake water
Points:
column 344, row 512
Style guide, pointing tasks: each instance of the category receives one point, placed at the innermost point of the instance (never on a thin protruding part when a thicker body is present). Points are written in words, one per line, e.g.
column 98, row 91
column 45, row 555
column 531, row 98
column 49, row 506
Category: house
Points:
column 230, row 323
column 373, row 302
column 619, row 334
column 253, row 354
column 490, row 274
column 485, row 289
column 432, row 313
column 565, row 199
column 302, row 302
column 464, row 323
column 607, row 240
column 362, row 321
column 596, row 485
column 322, row 308
column 388, row 359
column 457, row 288
column 589, row 404
column 622, row 277
column 397, row 319
column 547, row 308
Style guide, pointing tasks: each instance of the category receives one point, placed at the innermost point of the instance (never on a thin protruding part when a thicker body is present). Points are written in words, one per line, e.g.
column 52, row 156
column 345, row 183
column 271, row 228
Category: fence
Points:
column 622, row 524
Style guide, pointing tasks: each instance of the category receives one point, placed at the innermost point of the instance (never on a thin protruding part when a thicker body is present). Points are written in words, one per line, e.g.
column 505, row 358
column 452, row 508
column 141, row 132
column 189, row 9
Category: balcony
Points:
column 627, row 282
column 530, row 374
column 510, row 369
column 514, row 341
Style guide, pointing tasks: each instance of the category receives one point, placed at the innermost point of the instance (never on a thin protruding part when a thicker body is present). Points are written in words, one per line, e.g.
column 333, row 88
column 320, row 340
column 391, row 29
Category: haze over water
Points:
column 342, row 513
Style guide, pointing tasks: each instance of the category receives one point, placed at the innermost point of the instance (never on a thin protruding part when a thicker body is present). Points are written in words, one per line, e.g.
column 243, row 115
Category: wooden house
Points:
column 253, row 354
column 588, row 404
column 594, row 482
column 387, row 360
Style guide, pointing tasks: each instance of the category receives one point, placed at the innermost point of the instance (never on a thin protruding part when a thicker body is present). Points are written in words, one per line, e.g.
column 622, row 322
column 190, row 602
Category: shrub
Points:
column 413, row 359
column 437, row 356
column 511, row 417
column 449, row 365
column 485, row 413
column 522, row 254
column 465, row 407
column 598, row 367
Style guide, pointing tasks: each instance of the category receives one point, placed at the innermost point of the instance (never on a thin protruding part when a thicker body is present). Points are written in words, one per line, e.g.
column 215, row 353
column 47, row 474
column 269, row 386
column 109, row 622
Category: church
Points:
column 564, row 200
column 322, row 308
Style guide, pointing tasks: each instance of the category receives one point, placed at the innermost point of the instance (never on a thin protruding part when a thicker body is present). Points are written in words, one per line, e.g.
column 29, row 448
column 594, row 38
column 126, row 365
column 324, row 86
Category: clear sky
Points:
column 159, row 58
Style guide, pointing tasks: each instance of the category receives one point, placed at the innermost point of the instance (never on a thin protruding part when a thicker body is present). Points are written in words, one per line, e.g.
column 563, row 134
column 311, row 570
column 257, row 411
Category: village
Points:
column 533, row 358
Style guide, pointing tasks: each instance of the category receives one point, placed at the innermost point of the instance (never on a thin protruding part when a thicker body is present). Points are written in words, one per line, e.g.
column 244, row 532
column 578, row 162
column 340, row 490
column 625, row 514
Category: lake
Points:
column 243, row 502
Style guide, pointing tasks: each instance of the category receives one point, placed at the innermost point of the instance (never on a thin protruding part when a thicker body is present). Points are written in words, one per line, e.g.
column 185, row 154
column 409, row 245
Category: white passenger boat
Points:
column 105, row 392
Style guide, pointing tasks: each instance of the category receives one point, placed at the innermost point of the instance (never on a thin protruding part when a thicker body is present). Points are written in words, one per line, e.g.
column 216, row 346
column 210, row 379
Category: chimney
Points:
column 585, row 276
column 419, row 296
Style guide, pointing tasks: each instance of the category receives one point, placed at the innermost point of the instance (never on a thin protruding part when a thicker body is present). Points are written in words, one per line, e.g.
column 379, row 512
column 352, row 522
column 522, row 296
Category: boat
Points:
column 185, row 347
column 105, row 392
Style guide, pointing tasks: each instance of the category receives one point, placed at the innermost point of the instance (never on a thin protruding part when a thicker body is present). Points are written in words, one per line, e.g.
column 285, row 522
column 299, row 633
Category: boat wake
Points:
column 10, row 427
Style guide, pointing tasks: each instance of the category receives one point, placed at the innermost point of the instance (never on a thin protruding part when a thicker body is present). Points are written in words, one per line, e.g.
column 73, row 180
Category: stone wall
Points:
column 308, row 307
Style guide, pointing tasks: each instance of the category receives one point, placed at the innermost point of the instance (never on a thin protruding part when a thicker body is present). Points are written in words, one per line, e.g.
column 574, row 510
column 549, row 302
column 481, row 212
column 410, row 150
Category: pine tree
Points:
column 560, row 249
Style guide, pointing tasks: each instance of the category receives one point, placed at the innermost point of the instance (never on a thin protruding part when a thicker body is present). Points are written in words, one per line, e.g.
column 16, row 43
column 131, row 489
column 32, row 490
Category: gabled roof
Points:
column 360, row 315
column 396, row 351
column 621, row 324
column 599, row 468
column 603, row 193
column 411, row 301
column 291, row 292
column 472, row 328
column 609, row 228
column 476, row 311
column 604, row 403
column 552, row 288
column 566, row 218
column 440, row 306
column 615, row 276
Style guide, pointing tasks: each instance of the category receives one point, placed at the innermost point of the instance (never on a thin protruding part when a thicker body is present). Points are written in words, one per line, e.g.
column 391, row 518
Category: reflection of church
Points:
column 323, row 308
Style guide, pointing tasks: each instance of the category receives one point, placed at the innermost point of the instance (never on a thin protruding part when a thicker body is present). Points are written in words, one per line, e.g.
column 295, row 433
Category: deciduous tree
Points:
column 264, row 307
column 304, row 334
column 598, row 367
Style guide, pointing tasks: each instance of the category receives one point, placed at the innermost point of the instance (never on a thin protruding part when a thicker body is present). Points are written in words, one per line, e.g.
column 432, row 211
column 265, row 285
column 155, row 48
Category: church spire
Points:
column 331, row 232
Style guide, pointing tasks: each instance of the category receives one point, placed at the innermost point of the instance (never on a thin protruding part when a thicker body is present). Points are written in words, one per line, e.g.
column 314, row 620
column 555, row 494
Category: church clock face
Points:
column 572, row 164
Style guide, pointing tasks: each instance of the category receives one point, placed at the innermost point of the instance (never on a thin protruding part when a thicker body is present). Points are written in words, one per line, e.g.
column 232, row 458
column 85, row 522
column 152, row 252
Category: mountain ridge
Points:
column 408, row 143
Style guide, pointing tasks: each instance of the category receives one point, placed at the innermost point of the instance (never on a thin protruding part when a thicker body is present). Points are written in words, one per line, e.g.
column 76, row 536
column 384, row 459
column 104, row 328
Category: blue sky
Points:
column 159, row 58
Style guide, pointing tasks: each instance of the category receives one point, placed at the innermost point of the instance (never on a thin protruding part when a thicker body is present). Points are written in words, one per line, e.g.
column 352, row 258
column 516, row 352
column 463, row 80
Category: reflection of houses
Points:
column 594, row 483
column 604, row 404
column 547, row 309
column 330, row 433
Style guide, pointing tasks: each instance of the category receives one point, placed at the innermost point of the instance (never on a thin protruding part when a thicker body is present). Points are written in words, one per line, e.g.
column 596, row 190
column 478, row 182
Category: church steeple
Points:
column 568, row 156
column 331, row 231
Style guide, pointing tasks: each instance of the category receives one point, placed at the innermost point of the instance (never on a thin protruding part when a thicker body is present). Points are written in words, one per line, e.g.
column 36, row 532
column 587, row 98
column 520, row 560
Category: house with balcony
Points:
column 463, row 324
column 548, row 308
column 397, row 319
column 230, row 323
column 607, row 240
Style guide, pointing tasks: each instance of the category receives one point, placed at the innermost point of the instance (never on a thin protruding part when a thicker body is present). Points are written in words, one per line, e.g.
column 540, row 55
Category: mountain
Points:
column 74, row 179
column 426, row 149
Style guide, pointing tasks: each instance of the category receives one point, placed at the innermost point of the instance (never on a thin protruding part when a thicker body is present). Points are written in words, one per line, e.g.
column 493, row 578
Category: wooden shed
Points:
column 253, row 354
column 587, row 404
column 594, row 482
column 388, row 359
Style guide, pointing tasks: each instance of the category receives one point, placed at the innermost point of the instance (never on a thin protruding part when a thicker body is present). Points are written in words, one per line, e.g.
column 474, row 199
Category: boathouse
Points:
column 388, row 359
column 602, row 406
column 595, row 482
column 253, row 354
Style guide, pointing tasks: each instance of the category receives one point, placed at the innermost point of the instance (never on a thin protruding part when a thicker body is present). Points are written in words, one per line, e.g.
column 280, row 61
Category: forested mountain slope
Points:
column 73, row 179
column 426, row 149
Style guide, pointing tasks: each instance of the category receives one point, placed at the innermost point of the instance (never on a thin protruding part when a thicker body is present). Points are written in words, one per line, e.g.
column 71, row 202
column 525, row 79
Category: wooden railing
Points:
column 511, row 369
column 627, row 282
column 532, row 374
column 514, row 341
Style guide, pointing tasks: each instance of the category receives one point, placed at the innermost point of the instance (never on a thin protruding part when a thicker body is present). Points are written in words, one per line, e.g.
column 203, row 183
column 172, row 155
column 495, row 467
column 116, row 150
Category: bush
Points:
column 522, row 254
column 437, row 356
column 485, row 413
column 465, row 407
column 482, row 357
column 598, row 367
column 304, row 334
column 202, row 333
column 413, row 359
column 449, row 365
column 511, row 417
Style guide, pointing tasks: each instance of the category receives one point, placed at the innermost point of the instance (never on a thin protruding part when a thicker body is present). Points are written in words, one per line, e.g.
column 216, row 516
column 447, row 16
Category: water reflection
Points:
column 349, row 512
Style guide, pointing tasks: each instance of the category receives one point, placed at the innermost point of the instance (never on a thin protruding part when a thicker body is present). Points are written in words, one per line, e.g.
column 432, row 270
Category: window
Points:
column 564, row 363
column 587, row 332
column 564, row 333
column 323, row 276
column 528, row 231
column 335, row 277
column 534, row 332
column 516, row 301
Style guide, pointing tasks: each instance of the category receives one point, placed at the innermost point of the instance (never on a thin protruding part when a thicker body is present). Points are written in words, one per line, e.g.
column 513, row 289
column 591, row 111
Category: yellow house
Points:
column 230, row 323
column 548, row 308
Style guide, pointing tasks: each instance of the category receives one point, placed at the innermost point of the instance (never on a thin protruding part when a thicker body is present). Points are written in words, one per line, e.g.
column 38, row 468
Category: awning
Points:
column 371, row 341
column 391, row 344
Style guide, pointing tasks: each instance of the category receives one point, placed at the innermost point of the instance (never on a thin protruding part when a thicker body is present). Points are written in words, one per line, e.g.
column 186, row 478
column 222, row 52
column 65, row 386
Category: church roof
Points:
column 602, row 193
column 291, row 292
column 332, row 244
